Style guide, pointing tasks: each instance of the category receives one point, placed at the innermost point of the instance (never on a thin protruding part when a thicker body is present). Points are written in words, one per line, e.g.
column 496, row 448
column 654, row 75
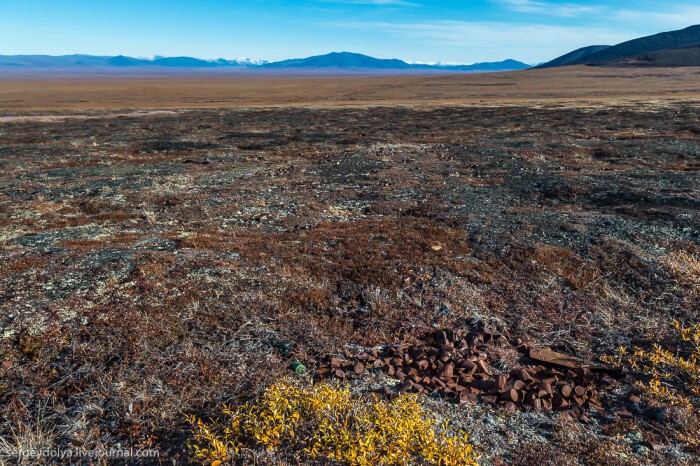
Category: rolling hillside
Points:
column 659, row 48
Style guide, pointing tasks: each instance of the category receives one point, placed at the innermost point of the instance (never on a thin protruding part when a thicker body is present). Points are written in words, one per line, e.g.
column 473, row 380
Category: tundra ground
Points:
column 150, row 263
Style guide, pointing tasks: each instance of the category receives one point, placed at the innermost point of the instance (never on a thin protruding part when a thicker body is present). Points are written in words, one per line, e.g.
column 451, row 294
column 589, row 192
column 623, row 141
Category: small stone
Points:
column 654, row 446
column 641, row 450
column 624, row 414
column 286, row 346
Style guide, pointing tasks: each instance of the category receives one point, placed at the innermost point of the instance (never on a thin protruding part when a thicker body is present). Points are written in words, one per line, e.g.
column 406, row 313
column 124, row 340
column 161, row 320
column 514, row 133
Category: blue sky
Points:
column 412, row 30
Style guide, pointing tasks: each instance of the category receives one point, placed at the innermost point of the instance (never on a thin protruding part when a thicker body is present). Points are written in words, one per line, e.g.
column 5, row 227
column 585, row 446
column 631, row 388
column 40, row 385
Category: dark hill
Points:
column 577, row 54
column 685, row 56
column 687, row 37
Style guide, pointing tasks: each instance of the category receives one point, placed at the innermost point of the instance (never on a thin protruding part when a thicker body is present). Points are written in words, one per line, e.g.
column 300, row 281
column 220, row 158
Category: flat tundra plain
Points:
column 161, row 236
column 64, row 91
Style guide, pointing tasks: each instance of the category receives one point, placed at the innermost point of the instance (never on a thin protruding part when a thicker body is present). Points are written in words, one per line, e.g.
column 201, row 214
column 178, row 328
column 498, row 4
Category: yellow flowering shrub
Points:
column 674, row 378
column 325, row 421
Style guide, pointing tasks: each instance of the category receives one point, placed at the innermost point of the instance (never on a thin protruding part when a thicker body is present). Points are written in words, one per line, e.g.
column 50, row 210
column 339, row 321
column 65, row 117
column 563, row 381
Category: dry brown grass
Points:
column 570, row 84
column 132, row 293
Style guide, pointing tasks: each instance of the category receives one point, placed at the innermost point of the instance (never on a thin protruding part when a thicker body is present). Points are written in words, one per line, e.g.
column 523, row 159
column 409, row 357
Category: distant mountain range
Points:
column 77, row 61
column 359, row 61
column 674, row 48
column 335, row 60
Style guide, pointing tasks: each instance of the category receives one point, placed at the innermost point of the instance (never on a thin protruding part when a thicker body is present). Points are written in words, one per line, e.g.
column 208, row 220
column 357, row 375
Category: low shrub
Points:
column 326, row 422
column 672, row 376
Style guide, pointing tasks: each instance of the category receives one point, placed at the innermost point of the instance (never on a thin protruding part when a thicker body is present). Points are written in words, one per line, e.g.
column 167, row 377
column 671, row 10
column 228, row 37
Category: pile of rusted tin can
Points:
column 455, row 365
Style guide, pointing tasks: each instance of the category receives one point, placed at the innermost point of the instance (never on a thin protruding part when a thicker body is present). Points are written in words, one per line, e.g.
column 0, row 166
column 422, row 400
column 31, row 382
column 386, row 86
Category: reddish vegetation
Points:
column 151, row 264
